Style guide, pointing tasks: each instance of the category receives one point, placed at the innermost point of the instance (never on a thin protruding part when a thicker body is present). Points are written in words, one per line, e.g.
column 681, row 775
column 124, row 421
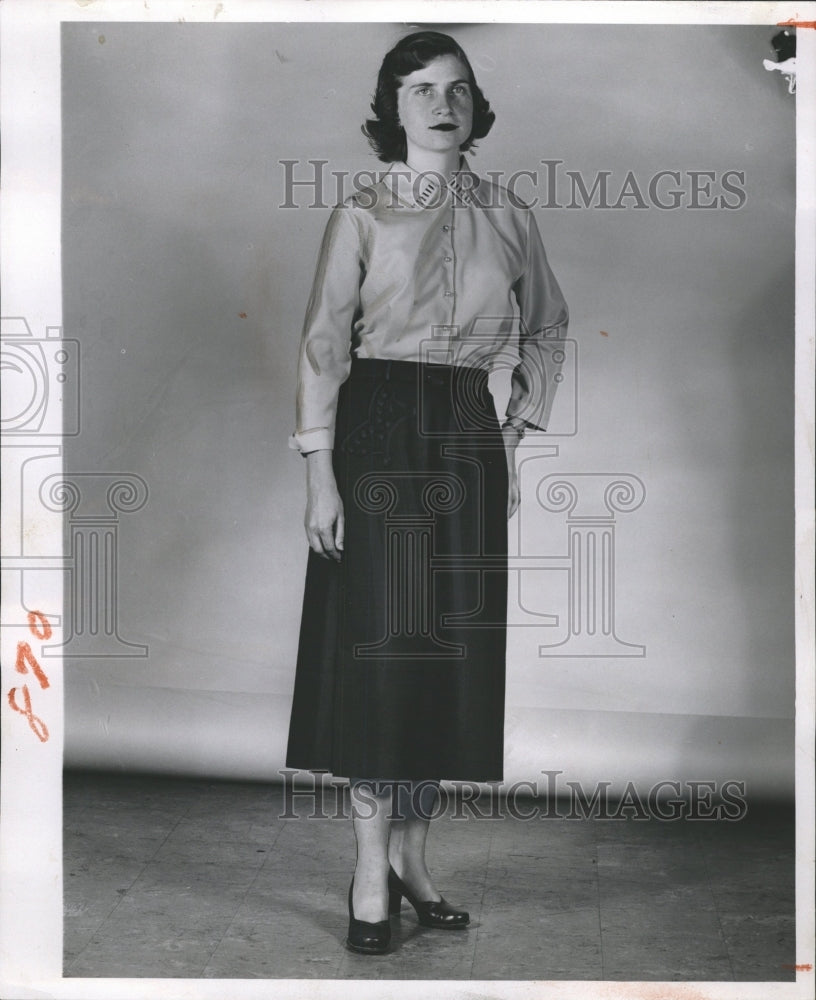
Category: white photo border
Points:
column 31, row 955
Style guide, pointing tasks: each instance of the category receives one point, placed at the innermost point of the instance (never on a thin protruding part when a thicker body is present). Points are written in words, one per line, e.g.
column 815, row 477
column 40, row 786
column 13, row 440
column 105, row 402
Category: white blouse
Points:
column 416, row 269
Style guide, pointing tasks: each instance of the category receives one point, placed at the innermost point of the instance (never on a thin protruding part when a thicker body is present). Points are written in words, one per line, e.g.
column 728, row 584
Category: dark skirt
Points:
column 401, row 664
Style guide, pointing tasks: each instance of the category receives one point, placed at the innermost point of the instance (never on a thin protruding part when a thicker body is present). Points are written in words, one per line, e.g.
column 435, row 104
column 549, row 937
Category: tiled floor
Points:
column 197, row 879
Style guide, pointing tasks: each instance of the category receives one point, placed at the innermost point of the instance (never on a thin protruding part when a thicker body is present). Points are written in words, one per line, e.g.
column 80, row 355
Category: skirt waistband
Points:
column 412, row 371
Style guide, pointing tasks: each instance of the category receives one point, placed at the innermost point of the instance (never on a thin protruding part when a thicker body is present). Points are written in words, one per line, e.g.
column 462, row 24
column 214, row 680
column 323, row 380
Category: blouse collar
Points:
column 429, row 189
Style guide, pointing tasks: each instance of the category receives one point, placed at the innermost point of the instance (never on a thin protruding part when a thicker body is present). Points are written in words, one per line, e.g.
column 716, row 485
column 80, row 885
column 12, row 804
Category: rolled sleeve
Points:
column 543, row 323
column 313, row 439
column 325, row 349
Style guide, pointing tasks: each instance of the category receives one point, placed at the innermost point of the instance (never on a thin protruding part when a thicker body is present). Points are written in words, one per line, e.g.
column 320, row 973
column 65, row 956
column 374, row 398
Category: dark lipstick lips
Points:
column 445, row 127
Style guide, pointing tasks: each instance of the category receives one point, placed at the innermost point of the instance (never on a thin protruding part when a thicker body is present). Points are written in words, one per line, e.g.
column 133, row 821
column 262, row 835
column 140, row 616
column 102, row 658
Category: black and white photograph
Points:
column 407, row 449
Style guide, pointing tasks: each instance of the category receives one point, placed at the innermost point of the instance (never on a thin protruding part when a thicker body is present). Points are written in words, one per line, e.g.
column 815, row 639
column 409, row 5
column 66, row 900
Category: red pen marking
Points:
column 36, row 723
column 604, row 333
column 791, row 23
column 242, row 315
column 803, row 967
column 40, row 628
column 24, row 655
column 33, row 618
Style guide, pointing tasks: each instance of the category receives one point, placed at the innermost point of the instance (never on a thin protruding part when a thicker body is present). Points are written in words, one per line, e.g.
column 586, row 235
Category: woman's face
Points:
column 435, row 106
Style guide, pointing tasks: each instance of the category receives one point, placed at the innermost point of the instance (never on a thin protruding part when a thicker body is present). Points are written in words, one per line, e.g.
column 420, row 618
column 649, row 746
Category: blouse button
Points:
column 449, row 259
column 446, row 229
column 448, row 293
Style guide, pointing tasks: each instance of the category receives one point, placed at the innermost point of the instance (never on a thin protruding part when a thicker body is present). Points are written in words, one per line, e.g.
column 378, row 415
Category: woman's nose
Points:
column 443, row 106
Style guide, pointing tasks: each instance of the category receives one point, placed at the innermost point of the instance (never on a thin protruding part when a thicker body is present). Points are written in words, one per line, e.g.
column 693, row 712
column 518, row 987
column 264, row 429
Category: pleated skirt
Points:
column 401, row 659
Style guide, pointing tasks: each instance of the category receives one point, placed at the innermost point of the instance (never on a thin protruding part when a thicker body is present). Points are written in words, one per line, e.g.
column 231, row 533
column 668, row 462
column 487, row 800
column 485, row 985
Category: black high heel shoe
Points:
column 431, row 913
column 365, row 937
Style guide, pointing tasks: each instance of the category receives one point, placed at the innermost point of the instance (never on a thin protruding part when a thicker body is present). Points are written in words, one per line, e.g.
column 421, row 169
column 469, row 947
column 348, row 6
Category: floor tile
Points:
column 761, row 947
column 178, row 878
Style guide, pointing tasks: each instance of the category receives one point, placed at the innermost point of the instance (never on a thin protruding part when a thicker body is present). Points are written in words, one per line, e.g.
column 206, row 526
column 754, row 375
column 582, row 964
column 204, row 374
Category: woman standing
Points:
column 410, row 476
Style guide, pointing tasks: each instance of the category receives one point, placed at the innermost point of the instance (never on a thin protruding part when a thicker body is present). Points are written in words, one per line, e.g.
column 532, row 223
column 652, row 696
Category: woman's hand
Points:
column 324, row 521
column 511, row 438
column 513, row 496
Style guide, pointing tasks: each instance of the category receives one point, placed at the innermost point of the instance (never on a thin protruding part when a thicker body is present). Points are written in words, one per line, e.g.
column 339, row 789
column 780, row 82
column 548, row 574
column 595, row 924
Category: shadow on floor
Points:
column 169, row 878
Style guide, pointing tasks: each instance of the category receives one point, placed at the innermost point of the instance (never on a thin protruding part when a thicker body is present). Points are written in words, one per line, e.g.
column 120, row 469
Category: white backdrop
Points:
column 185, row 284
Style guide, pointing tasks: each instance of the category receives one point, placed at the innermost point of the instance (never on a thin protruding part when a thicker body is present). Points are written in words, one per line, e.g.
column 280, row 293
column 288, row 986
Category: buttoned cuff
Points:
column 314, row 439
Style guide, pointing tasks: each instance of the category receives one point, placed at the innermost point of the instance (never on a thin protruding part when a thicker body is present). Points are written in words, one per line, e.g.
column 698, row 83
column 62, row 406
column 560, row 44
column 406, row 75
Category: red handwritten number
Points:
column 36, row 723
column 35, row 617
column 40, row 628
column 24, row 655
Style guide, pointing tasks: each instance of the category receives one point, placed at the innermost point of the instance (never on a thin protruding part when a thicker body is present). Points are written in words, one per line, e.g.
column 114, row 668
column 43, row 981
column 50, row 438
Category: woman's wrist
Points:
column 515, row 424
column 512, row 435
column 319, row 468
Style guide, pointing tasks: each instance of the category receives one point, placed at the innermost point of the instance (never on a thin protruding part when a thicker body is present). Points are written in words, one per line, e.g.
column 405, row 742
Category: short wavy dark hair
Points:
column 384, row 133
